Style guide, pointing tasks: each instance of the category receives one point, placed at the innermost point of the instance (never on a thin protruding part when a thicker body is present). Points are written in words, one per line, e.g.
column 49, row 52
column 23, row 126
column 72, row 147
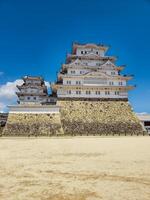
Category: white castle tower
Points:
column 89, row 73
column 34, row 91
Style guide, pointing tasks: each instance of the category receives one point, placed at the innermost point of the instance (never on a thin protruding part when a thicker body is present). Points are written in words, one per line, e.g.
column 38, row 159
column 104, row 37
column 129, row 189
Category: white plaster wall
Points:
column 33, row 81
column 109, row 72
column 32, row 98
column 32, row 90
column 93, row 63
column 34, row 109
column 64, row 93
column 116, row 82
column 77, row 71
column 73, row 81
column 94, row 81
column 78, row 52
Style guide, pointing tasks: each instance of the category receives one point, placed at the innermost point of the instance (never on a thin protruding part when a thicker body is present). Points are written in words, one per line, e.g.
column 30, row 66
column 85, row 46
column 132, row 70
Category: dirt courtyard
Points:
column 79, row 168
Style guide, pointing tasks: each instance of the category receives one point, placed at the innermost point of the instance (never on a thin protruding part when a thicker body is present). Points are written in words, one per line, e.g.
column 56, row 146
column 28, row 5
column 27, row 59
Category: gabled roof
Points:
column 76, row 63
column 89, row 45
column 108, row 62
column 96, row 73
column 113, row 66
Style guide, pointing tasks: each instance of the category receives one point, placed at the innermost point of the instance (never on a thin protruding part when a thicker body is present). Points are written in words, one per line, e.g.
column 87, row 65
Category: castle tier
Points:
column 33, row 91
column 89, row 73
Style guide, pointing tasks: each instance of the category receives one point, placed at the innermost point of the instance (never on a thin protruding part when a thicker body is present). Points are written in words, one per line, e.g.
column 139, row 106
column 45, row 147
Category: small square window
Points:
column 107, row 93
column 88, row 92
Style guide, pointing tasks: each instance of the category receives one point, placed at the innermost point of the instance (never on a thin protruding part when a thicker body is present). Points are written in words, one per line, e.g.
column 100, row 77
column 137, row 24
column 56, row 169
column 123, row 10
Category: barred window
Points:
column 78, row 92
column 97, row 93
column 111, row 83
column 69, row 82
column 107, row 93
column 116, row 92
column 113, row 73
column 88, row 92
column 69, row 92
column 78, row 82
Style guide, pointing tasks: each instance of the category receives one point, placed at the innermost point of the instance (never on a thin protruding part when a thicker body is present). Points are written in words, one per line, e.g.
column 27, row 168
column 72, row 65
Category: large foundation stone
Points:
column 98, row 117
column 25, row 124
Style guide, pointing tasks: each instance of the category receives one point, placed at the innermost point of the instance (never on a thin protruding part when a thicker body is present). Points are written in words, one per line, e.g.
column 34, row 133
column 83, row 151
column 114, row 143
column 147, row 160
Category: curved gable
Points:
column 108, row 63
column 77, row 62
column 96, row 74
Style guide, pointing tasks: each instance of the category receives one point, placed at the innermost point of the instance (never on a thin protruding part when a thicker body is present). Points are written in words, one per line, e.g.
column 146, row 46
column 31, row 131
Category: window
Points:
column 88, row 92
column 28, row 98
column 107, row 93
column 97, row 64
column 69, row 92
column 117, row 93
column 34, row 98
column 78, row 82
column 120, row 83
column 69, row 82
column 78, row 92
column 97, row 52
column 112, row 73
column 97, row 93
column 111, row 83
column 81, row 52
column 85, row 52
column 72, row 72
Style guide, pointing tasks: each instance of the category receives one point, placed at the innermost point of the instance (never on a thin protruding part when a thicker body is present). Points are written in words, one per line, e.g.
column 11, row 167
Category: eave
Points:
column 30, row 94
column 86, row 57
column 86, row 87
column 119, row 77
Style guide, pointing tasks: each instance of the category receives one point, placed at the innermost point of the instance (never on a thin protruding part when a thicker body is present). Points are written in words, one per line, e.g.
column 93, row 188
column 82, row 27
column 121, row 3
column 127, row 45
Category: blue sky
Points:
column 35, row 36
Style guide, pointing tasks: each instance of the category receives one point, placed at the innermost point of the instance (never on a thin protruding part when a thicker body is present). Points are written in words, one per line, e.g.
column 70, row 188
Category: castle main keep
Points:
column 90, row 97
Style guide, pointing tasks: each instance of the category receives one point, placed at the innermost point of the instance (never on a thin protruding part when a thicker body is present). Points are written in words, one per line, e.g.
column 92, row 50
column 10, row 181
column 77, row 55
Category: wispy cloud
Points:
column 1, row 73
column 142, row 113
column 8, row 94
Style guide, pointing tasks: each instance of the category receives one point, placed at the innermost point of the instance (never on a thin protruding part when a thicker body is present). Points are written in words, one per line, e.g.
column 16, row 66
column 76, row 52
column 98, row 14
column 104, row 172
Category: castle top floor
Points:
column 89, row 49
column 33, row 80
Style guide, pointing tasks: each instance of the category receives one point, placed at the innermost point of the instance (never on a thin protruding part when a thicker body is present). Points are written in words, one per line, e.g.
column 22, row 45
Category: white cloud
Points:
column 2, row 106
column 8, row 94
column 47, row 84
column 142, row 113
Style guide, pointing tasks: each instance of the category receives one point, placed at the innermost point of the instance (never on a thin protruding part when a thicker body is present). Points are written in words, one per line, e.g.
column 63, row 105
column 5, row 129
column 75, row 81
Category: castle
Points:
column 90, row 97
column 89, row 74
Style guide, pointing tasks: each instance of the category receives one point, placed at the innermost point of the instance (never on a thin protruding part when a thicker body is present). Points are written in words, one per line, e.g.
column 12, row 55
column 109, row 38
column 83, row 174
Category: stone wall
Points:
column 33, row 125
column 98, row 117
column 1, row 130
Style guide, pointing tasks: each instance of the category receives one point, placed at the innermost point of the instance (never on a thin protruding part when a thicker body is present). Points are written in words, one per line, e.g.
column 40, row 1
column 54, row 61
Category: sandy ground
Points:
column 116, row 168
